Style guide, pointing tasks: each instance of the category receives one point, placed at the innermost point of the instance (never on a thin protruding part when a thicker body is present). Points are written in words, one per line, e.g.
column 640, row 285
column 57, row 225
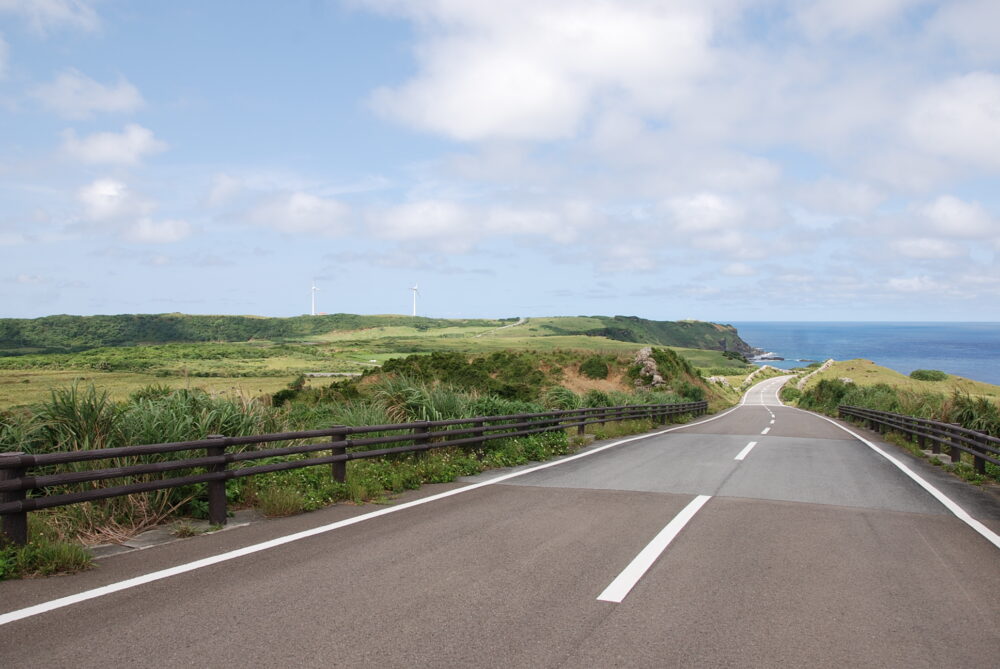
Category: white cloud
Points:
column 529, row 70
column 450, row 224
column 457, row 227
column 959, row 119
column 29, row 279
column 114, row 206
column 75, row 95
column 148, row 231
column 916, row 284
column 224, row 189
column 43, row 15
column 970, row 24
column 111, row 200
column 704, row 212
column 948, row 215
column 4, row 57
column 739, row 269
column 301, row 213
column 925, row 248
column 125, row 148
column 821, row 18
column 835, row 196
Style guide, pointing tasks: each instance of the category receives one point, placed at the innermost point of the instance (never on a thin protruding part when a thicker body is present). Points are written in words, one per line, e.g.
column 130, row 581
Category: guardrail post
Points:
column 582, row 419
column 956, row 455
column 217, row 489
column 15, row 525
column 339, row 469
column 421, row 428
column 978, row 462
column 479, row 433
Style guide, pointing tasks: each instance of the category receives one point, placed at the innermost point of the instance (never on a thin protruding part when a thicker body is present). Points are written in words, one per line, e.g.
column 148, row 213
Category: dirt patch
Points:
column 580, row 384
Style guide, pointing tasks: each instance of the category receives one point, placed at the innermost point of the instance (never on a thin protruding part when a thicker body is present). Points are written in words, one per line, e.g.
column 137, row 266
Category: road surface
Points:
column 761, row 537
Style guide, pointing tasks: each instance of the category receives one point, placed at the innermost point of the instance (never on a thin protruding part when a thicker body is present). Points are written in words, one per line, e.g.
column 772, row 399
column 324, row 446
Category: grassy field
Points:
column 30, row 386
column 866, row 373
column 252, row 369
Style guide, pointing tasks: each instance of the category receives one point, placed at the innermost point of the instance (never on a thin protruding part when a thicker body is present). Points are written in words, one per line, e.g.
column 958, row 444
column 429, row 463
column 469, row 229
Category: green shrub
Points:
column 561, row 398
column 278, row 501
column 594, row 367
column 790, row 393
column 928, row 375
column 42, row 557
column 596, row 398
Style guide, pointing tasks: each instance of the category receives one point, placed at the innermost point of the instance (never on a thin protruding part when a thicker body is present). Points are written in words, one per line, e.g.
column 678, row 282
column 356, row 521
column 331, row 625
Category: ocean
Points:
column 971, row 350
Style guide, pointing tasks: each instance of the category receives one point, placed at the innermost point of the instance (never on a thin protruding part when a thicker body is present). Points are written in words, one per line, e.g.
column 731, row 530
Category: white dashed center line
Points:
column 623, row 584
column 766, row 430
column 743, row 454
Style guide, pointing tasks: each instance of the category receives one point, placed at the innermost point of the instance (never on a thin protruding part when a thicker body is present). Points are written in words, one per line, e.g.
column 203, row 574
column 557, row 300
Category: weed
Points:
column 280, row 501
column 183, row 530
column 42, row 557
column 967, row 472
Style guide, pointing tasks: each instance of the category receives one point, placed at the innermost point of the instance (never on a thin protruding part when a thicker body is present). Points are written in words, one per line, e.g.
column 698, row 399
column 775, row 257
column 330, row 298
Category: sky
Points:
column 723, row 160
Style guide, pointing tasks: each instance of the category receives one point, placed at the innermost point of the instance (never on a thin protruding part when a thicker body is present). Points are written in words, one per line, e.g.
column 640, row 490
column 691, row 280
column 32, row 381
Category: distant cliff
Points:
column 686, row 334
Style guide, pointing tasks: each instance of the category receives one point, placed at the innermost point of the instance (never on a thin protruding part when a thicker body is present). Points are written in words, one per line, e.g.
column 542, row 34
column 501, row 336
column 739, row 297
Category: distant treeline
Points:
column 77, row 333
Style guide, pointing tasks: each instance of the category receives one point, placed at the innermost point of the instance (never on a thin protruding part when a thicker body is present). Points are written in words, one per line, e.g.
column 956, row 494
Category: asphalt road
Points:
column 807, row 549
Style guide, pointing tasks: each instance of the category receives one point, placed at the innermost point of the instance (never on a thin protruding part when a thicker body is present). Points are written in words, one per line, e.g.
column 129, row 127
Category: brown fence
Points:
column 24, row 478
column 947, row 438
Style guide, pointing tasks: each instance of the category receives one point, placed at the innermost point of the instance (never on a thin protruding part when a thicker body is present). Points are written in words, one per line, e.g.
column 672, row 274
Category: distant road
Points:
column 761, row 537
column 520, row 321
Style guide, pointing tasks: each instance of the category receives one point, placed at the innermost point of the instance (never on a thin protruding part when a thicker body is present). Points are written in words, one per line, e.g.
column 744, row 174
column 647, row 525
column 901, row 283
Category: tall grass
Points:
column 78, row 418
column 974, row 413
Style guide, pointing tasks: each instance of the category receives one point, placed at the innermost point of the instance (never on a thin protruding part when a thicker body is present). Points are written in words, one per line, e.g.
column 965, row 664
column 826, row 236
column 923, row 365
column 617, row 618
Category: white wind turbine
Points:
column 416, row 291
column 314, row 289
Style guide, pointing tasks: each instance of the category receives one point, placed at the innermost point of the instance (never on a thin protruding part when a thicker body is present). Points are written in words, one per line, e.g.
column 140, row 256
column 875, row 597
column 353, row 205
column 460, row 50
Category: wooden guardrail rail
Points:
column 24, row 478
column 949, row 438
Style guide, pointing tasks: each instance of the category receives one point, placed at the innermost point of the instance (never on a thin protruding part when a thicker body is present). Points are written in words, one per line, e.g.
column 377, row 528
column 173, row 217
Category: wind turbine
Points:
column 314, row 289
column 416, row 291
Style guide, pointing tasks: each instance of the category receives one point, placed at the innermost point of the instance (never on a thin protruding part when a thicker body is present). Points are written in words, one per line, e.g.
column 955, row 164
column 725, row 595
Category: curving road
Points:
column 761, row 537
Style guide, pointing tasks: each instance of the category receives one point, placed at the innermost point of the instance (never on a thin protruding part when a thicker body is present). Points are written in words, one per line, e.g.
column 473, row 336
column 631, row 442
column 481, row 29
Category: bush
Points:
column 594, row 368
column 790, row 393
column 42, row 557
column 561, row 398
column 928, row 375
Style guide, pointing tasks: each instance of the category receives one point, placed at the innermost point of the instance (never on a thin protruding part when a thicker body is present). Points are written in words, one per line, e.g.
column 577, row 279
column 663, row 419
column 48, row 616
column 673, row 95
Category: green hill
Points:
column 53, row 334
column 62, row 334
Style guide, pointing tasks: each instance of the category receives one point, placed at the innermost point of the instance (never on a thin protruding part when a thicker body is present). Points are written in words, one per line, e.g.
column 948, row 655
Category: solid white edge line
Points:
column 957, row 510
column 627, row 579
column 743, row 454
column 69, row 600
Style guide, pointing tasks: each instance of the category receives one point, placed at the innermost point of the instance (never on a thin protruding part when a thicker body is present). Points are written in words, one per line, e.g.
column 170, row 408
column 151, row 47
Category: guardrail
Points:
column 17, row 481
column 951, row 437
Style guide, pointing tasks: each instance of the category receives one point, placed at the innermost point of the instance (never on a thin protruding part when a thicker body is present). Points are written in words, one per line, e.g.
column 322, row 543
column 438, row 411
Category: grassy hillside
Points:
column 867, row 373
column 75, row 333
column 48, row 353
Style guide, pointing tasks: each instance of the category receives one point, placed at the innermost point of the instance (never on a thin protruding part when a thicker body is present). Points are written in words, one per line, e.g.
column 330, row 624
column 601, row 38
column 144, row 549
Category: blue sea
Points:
column 971, row 350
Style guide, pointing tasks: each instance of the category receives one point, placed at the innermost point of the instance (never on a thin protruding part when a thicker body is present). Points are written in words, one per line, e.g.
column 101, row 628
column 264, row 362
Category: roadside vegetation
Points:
column 927, row 395
column 241, row 357
column 437, row 386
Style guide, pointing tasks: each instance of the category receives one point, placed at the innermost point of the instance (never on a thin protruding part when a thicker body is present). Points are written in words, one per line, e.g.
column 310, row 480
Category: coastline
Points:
column 968, row 349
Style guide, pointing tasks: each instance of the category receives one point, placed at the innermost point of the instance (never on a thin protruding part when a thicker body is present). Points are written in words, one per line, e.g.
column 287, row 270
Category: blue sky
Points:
column 725, row 160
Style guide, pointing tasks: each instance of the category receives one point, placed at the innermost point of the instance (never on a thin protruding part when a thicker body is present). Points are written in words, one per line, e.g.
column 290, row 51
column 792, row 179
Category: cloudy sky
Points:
column 725, row 160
